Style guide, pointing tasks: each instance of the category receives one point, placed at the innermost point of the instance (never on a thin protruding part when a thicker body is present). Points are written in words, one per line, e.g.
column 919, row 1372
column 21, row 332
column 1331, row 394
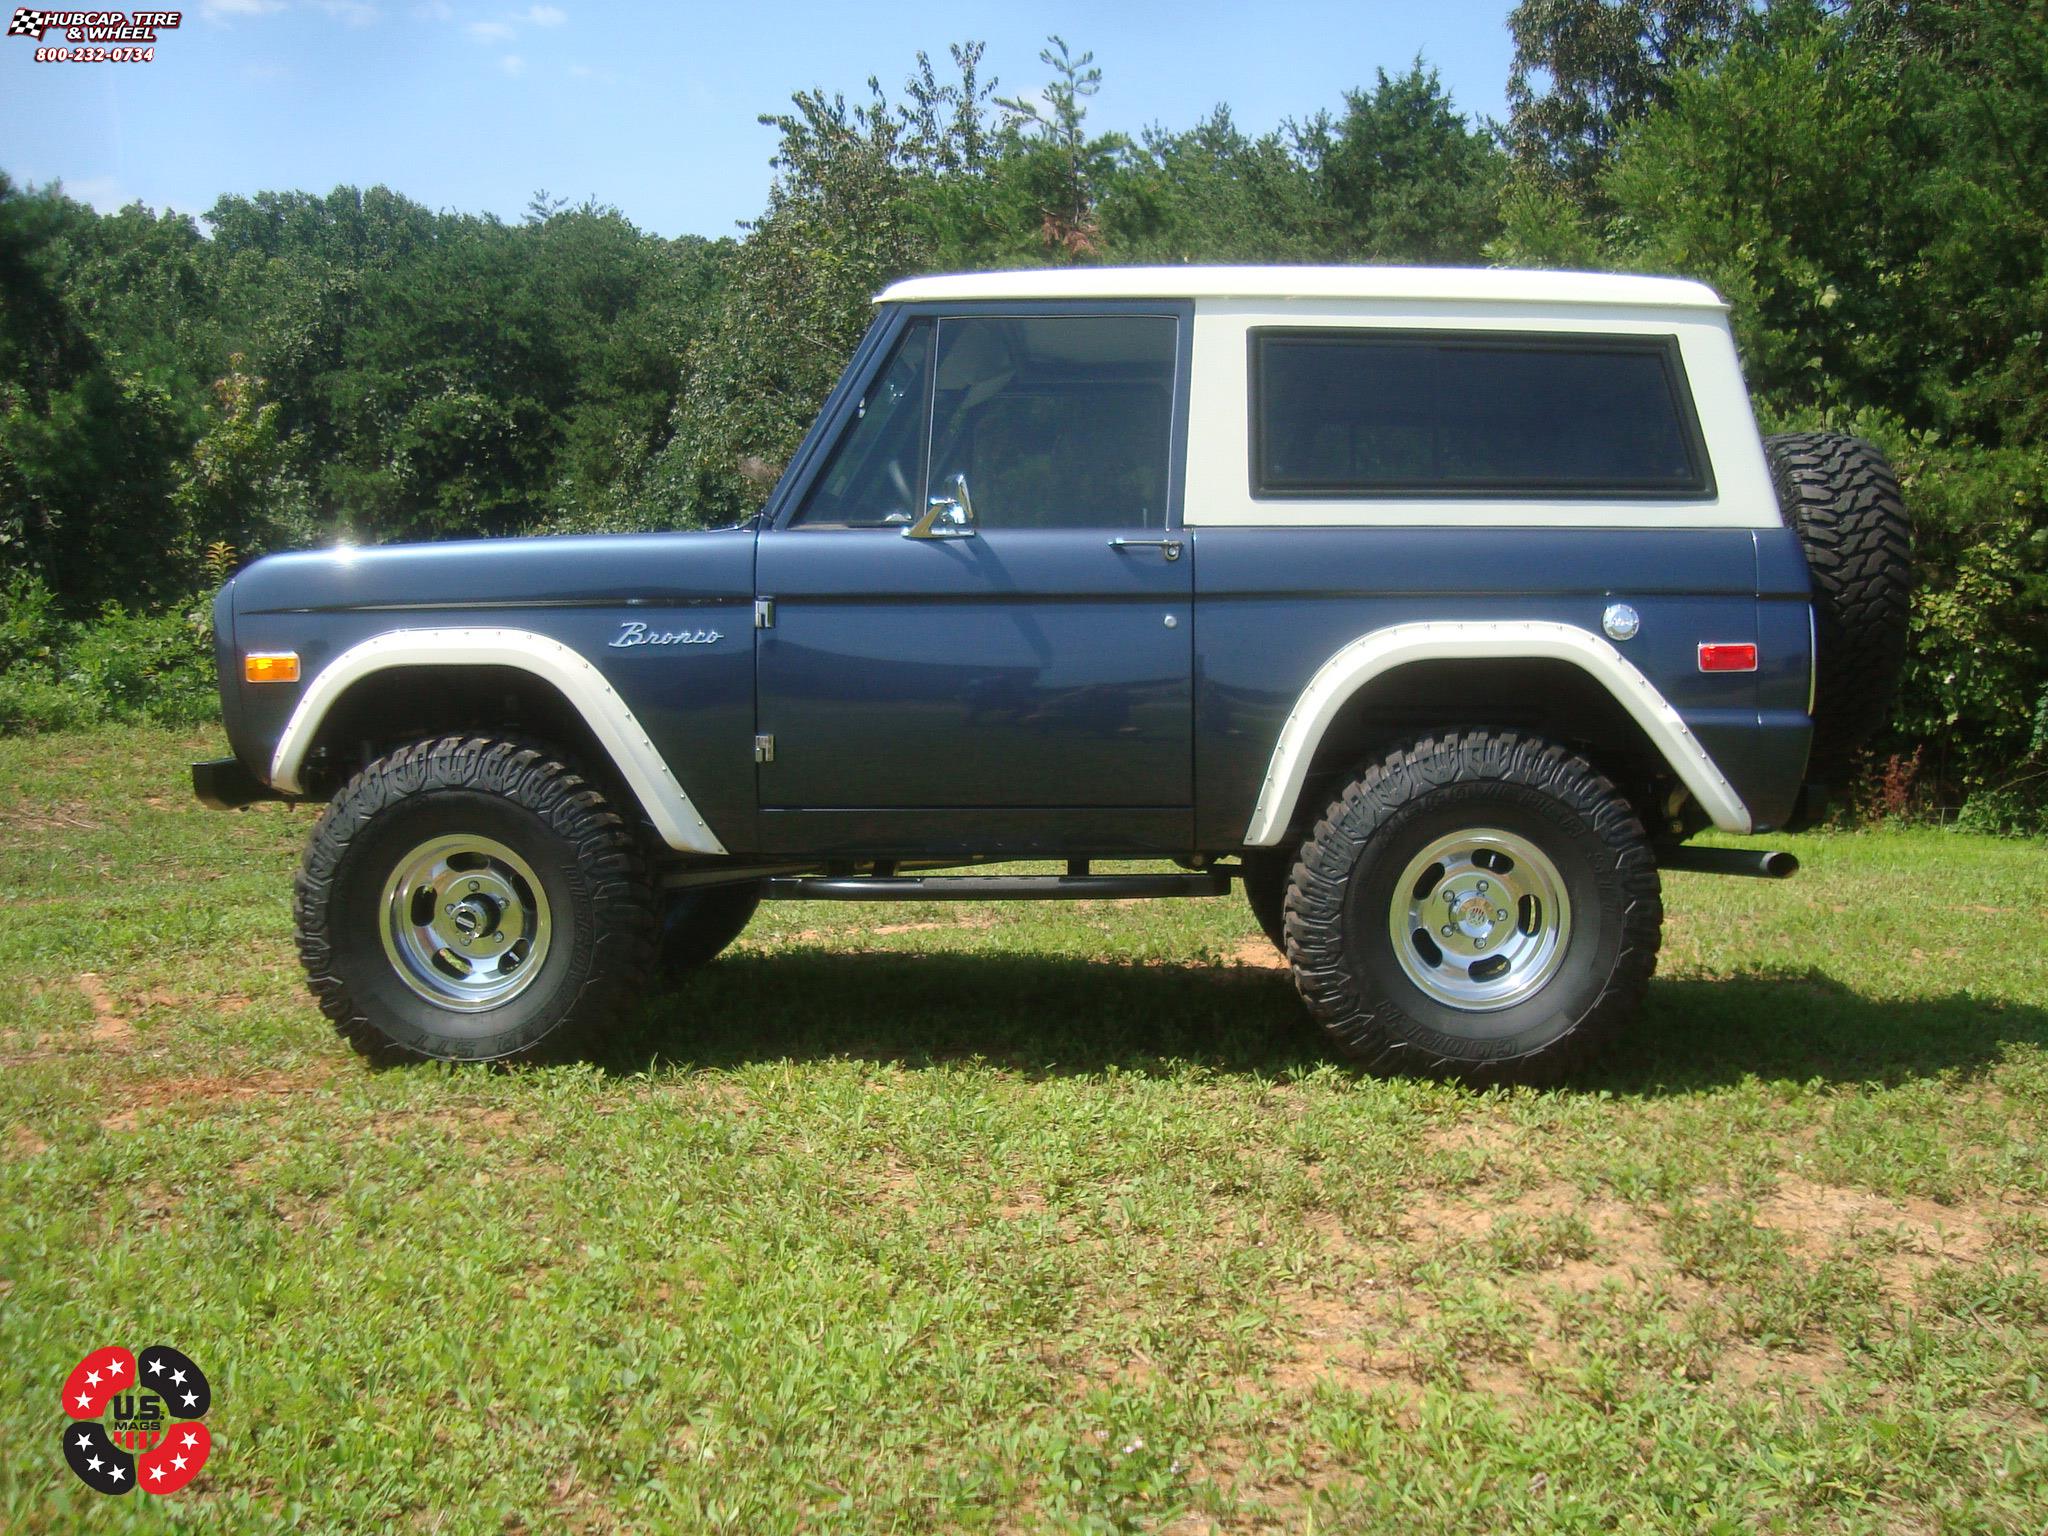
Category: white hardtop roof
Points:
column 1461, row 285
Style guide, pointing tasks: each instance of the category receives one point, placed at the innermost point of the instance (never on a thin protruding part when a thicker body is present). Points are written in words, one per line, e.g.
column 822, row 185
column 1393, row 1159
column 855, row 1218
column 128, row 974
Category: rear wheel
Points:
column 1482, row 904
column 470, row 899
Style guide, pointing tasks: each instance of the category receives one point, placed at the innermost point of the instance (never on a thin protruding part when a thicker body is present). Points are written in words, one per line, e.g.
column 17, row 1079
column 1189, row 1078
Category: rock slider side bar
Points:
column 996, row 887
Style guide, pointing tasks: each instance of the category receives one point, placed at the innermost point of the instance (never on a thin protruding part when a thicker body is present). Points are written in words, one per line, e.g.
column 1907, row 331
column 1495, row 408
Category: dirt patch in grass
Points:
column 1802, row 1372
column 110, row 1027
column 45, row 818
column 1339, row 1339
column 185, row 1093
column 1259, row 955
column 1016, row 1204
column 1915, row 1235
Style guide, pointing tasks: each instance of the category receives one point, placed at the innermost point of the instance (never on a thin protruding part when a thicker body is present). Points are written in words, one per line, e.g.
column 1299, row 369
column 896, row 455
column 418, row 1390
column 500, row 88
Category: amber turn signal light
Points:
column 1727, row 658
column 271, row 667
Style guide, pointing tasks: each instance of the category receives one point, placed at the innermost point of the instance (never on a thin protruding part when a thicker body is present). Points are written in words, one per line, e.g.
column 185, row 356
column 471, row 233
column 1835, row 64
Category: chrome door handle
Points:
column 1170, row 546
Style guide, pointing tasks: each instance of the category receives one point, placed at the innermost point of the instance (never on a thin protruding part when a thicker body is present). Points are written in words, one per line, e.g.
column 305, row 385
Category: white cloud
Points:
column 513, row 65
column 489, row 31
column 547, row 15
column 357, row 13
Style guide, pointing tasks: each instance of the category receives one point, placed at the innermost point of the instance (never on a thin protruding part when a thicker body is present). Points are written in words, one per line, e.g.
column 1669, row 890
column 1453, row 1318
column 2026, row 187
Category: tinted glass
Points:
column 874, row 477
column 1056, row 422
column 1338, row 415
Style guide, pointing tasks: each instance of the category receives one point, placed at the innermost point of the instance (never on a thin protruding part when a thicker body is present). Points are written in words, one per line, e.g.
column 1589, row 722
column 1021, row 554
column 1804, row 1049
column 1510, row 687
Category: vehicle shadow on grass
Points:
column 1053, row 1015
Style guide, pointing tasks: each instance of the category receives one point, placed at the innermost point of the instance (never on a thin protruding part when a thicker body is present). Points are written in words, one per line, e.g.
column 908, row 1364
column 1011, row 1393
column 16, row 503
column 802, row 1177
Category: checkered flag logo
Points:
column 28, row 23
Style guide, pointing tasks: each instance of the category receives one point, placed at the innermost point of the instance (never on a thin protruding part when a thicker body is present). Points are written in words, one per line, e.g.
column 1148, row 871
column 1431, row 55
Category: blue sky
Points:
column 472, row 105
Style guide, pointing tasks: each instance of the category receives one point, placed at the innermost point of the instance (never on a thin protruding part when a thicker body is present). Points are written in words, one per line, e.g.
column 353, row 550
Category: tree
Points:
column 1406, row 178
column 1213, row 193
column 1052, row 159
column 840, row 224
column 236, row 487
column 1585, row 69
column 88, row 435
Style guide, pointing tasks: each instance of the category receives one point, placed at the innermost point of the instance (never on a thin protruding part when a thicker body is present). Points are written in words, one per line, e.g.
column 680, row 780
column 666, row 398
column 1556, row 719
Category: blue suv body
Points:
column 1087, row 564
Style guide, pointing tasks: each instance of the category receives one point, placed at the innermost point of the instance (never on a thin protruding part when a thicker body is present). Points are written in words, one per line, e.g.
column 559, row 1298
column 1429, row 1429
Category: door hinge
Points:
column 764, row 749
column 764, row 613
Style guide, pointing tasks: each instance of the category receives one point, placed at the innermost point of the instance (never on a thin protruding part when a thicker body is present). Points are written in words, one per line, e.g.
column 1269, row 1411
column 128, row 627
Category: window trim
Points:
column 1700, row 487
column 849, row 423
column 793, row 490
column 1170, row 471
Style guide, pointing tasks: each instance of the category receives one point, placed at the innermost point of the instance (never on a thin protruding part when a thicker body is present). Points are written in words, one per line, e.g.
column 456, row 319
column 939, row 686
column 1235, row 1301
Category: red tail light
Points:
column 1727, row 658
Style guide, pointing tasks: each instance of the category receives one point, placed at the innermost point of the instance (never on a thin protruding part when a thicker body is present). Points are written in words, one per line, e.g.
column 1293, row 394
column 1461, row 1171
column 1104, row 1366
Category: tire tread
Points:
column 1325, row 973
column 531, row 776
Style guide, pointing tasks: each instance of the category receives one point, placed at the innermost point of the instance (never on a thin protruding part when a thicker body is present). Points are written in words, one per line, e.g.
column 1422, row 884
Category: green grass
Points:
column 1014, row 1218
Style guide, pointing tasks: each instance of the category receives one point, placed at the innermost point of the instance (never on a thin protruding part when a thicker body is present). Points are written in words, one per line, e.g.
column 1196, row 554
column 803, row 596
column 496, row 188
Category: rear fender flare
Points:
column 1355, row 666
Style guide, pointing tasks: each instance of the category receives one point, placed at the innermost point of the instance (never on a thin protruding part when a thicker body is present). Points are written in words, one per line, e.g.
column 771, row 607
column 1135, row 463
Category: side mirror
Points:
column 949, row 515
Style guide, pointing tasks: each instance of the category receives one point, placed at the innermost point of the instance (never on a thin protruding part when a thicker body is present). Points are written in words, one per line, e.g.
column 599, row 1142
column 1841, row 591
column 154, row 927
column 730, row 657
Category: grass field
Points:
column 1015, row 1218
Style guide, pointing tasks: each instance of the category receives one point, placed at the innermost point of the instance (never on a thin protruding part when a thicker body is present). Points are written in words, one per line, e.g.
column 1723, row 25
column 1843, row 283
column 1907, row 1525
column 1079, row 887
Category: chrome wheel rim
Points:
column 465, row 923
column 1480, row 920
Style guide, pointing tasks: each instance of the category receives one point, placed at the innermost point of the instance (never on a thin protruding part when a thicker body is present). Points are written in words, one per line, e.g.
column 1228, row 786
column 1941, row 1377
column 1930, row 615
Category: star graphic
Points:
column 117, row 1474
column 94, row 1465
column 83, row 1400
column 190, row 1438
column 178, row 1377
column 92, row 1378
column 178, row 1462
column 113, row 1367
column 156, row 1472
column 85, row 1442
column 189, row 1399
column 156, row 1367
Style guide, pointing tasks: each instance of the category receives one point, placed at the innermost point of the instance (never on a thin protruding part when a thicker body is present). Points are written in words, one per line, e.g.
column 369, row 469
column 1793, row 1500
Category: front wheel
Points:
column 470, row 899
column 1483, row 904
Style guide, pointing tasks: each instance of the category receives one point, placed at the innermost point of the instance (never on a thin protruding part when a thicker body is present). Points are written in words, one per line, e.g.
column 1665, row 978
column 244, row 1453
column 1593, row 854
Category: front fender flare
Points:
column 610, row 720
column 1370, row 655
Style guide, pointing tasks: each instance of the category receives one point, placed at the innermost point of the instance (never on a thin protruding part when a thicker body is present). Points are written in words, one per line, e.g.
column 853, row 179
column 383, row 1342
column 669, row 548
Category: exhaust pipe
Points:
column 1755, row 863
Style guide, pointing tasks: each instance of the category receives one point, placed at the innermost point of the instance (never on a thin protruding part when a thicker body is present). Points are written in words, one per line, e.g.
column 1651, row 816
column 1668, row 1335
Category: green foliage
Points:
column 145, row 666
column 1214, row 193
column 1407, row 179
column 57, row 675
column 30, row 630
column 238, row 487
column 1585, row 69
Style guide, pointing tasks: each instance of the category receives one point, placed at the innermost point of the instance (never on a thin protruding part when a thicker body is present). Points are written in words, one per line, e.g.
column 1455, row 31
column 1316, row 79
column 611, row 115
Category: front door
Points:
column 981, row 605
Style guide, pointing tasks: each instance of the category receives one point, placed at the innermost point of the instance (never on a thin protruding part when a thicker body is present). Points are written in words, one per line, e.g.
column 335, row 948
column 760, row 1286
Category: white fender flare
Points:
column 607, row 715
column 1365, row 658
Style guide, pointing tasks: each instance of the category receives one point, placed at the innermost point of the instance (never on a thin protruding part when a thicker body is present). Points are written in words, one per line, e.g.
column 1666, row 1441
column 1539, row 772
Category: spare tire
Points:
column 1841, row 496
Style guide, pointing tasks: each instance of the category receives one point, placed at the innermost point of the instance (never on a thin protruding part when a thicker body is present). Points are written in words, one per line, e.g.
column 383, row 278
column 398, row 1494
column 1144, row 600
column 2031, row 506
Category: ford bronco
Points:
column 1437, row 608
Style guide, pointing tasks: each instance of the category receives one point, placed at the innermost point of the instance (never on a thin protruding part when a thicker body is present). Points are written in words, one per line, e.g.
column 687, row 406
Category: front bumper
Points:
column 226, row 785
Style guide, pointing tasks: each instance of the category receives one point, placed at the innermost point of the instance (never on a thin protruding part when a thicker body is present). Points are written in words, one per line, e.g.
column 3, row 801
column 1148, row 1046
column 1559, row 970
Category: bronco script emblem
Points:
column 640, row 634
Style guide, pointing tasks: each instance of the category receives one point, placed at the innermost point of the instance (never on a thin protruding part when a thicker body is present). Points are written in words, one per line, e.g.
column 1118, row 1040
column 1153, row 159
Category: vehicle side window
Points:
column 875, row 475
column 1056, row 422
column 1371, row 413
